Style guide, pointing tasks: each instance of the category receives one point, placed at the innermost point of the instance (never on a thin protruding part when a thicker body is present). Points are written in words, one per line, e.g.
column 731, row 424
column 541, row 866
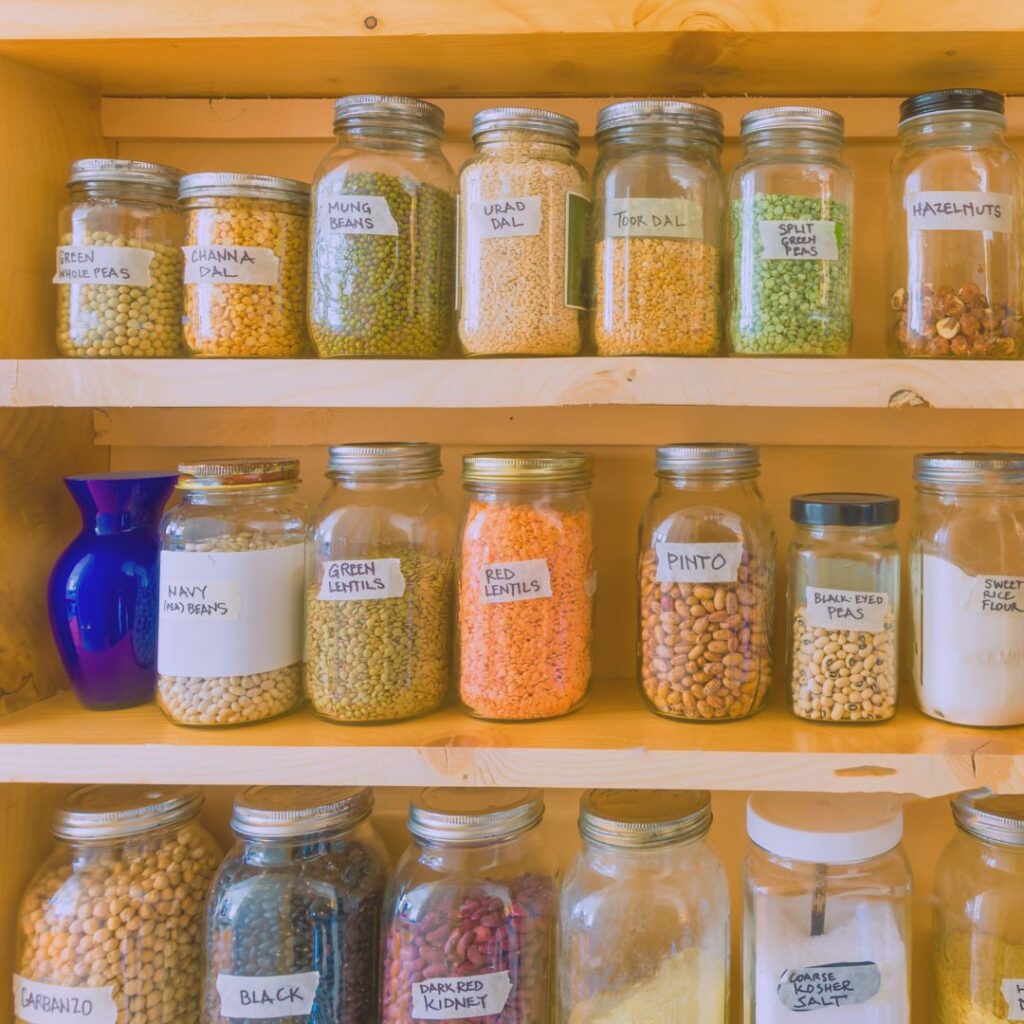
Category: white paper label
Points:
column 829, row 986
column 798, row 240
column 362, row 579
column 998, row 595
column 230, row 264
column 960, row 211
column 505, row 218
column 282, row 995
column 861, row 610
column 103, row 264
column 515, row 581
column 479, row 995
column 1013, row 993
column 360, row 215
column 698, row 563
column 653, row 218
column 230, row 613
column 38, row 1003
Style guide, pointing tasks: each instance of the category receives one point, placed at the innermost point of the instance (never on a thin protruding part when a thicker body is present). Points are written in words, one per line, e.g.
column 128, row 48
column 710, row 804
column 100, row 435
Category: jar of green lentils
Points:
column 791, row 223
column 382, row 253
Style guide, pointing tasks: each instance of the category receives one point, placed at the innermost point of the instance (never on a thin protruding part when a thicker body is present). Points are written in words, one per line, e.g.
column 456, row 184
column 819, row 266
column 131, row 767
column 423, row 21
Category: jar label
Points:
column 501, row 582
column 861, row 610
column 39, row 1003
column 362, row 579
column 577, row 249
column 103, row 264
column 267, row 998
column 798, row 240
column 230, row 264
column 230, row 613
column 505, row 218
column 699, row 563
column 359, row 215
column 653, row 218
column 477, row 995
column 829, row 986
column 1013, row 993
column 960, row 211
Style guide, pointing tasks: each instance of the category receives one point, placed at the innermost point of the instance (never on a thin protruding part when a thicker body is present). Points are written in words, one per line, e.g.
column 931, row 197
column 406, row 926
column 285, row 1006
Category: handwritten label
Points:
column 272, row 997
column 829, row 986
column 1013, row 993
column 698, row 563
column 505, row 218
column 103, row 264
column 362, row 579
column 230, row 264
column 653, row 218
column 480, row 995
column 501, row 582
column 998, row 595
column 960, row 211
column 798, row 240
column 38, row 1003
column 360, row 215
column 217, row 599
column 861, row 610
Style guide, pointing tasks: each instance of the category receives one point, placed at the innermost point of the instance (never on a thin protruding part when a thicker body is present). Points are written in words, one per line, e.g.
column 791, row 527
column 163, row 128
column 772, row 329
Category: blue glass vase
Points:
column 104, row 589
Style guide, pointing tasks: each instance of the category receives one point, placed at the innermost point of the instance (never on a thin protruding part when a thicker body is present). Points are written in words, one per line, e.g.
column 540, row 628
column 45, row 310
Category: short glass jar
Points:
column 523, row 244
column 119, row 261
column 707, row 585
column 469, row 917
column 643, row 924
column 293, row 918
column 229, row 641
column 791, row 217
column 955, row 222
column 967, row 587
column 379, row 585
column 526, row 584
column 844, row 607
column 113, row 920
column 245, row 264
column 658, row 203
column 827, row 910
column 382, row 249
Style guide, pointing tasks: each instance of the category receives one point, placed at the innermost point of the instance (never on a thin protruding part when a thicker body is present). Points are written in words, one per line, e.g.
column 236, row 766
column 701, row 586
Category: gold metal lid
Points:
column 470, row 816
column 118, row 812
column 237, row 473
column 384, row 460
column 528, row 466
column 644, row 818
column 229, row 185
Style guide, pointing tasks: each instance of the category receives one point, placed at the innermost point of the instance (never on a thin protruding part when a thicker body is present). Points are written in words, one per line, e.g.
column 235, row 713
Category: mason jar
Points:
column 658, row 204
column 293, row 918
column 707, row 585
column 119, row 261
column 469, row 915
column 111, row 925
column 955, row 222
column 229, row 640
column 967, row 587
column 526, row 584
column 844, row 607
column 791, row 220
column 379, row 585
column 643, row 924
column 382, row 250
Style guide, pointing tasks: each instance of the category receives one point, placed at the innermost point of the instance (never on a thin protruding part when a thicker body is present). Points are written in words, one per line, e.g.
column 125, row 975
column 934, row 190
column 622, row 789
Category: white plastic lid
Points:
column 822, row 829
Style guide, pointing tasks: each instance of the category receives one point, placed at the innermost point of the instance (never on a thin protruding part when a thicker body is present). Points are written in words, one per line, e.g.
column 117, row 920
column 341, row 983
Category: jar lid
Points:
column 816, row 119
column 644, row 818
column 224, row 184
column 286, row 812
column 384, row 459
column 738, row 459
column 939, row 101
column 354, row 111
column 969, row 467
column 991, row 817
column 469, row 815
column 821, row 829
column 125, row 172
column 117, row 812
column 679, row 114
column 527, row 466
column 203, row 476
column 844, row 509
column 528, row 119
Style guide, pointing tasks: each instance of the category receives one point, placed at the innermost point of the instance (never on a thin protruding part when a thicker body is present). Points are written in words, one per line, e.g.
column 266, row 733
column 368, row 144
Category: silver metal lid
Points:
column 527, row 119
column 644, row 818
column 991, row 817
column 118, row 812
column 384, row 459
column 527, row 466
column 227, row 185
column 361, row 110
column 289, row 812
column 203, row 476
column 825, row 122
column 725, row 459
column 969, row 467
column 454, row 816
column 158, row 177
column 678, row 114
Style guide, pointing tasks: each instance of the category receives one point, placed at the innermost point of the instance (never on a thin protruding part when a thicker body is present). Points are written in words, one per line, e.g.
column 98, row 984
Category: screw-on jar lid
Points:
column 821, row 829
column 844, row 509
column 527, row 466
column 354, row 111
column 528, row 119
column 815, row 119
column 286, row 812
column 118, row 812
column 725, row 459
column 385, row 459
column 679, row 114
column 204, row 476
column 453, row 816
column 969, row 467
column 158, row 177
column 644, row 818
column 991, row 817
column 226, row 185
column 939, row 101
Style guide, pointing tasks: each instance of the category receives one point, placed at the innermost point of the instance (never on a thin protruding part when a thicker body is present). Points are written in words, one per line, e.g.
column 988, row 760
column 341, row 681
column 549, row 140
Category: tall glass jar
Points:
column 382, row 250
column 978, row 928
column 245, row 264
column 229, row 642
column 111, row 926
column 955, row 216
column 526, row 584
column 827, row 910
column 119, row 261
column 469, row 916
column 967, row 586
column 379, row 585
column 658, row 200
column 643, row 924
column 791, row 217
column 707, row 585
column 844, row 607
column 293, row 918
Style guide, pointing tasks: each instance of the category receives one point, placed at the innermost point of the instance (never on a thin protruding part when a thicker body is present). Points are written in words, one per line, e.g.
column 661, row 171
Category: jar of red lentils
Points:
column 526, row 584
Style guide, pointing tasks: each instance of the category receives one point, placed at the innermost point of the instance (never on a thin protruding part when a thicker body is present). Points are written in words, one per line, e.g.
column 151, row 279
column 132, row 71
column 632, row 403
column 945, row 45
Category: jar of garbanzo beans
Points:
column 245, row 264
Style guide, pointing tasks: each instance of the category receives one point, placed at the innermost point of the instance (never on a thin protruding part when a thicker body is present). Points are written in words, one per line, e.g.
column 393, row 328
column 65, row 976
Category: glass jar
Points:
column 229, row 640
column 967, row 586
column 293, row 918
column 791, row 236
column 955, row 255
column 524, row 219
column 111, row 926
column 844, row 607
column 382, row 257
column 658, row 196
column 469, row 916
column 379, row 585
column 978, row 931
column 707, row 585
column 526, row 584
column 827, row 910
column 245, row 264
column 119, row 261
column 643, row 924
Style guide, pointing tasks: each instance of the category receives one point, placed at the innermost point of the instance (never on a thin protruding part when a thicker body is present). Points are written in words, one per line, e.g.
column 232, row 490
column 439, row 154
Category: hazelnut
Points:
column 948, row 327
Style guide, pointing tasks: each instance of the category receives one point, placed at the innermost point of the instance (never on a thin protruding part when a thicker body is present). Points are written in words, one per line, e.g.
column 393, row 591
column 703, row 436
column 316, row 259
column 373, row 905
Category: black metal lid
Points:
column 842, row 509
column 940, row 100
